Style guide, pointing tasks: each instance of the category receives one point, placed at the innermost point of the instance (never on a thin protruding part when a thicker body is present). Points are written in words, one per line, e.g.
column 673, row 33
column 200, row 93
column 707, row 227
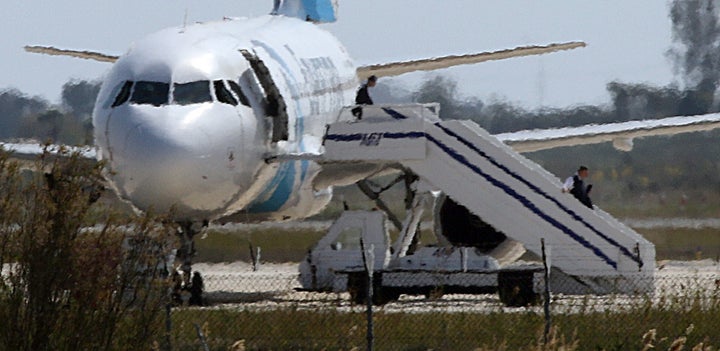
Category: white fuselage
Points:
column 182, row 118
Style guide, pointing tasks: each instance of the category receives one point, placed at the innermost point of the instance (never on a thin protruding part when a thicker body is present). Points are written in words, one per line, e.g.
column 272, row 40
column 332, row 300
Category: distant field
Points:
column 291, row 245
column 276, row 245
column 684, row 244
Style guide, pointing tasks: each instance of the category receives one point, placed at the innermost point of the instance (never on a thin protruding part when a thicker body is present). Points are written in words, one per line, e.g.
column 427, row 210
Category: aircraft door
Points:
column 274, row 103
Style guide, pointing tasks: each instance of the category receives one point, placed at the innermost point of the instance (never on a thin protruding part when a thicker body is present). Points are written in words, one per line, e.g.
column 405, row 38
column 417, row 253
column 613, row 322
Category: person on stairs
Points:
column 575, row 185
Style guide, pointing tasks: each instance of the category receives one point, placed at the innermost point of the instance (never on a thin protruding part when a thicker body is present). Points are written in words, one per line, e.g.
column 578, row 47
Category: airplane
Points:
column 189, row 116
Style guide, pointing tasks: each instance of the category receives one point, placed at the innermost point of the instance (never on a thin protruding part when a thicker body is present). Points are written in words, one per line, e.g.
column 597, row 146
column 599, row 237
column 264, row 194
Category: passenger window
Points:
column 192, row 93
column 150, row 93
column 124, row 94
column 236, row 89
column 222, row 94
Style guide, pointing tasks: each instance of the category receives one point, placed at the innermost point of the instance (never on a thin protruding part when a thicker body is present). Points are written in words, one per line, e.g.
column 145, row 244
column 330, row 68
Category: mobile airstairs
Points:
column 590, row 250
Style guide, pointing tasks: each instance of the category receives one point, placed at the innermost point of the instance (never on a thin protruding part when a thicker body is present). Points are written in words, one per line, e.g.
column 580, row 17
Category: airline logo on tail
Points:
column 319, row 11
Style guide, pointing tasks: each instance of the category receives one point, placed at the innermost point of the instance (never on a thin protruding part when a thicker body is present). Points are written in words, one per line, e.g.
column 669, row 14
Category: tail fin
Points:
column 318, row 11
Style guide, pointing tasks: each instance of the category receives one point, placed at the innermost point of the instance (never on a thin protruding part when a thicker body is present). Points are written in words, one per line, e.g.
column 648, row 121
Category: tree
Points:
column 696, row 54
column 15, row 108
column 388, row 92
column 79, row 97
column 50, row 123
column 632, row 101
column 442, row 90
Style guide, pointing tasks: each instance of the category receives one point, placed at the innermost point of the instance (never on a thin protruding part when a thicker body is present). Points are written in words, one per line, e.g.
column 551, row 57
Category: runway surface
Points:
column 236, row 286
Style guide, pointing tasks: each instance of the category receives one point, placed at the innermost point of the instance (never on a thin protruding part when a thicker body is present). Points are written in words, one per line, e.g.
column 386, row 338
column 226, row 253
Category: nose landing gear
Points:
column 186, row 234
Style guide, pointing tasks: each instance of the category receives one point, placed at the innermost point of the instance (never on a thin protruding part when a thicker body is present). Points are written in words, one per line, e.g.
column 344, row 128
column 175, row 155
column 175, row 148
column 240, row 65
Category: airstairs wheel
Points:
column 357, row 287
column 515, row 288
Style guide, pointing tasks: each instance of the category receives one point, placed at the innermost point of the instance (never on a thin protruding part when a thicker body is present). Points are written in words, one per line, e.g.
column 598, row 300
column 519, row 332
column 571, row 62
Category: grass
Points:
column 684, row 244
column 663, row 204
column 277, row 245
column 291, row 245
column 331, row 330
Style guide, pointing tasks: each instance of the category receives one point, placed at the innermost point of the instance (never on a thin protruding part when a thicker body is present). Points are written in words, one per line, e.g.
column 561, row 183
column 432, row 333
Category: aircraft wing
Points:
column 88, row 55
column 398, row 68
column 620, row 134
column 384, row 70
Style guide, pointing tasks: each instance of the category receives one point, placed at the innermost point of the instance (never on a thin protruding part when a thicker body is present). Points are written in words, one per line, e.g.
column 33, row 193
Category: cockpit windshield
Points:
column 150, row 93
column 123, row 94
column 158, row 93
column 236, row 89
column 222, row 94
column 192, row 93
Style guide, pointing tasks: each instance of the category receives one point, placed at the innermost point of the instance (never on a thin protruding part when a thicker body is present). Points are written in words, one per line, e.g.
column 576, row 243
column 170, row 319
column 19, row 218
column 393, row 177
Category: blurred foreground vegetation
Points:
column 72, row 277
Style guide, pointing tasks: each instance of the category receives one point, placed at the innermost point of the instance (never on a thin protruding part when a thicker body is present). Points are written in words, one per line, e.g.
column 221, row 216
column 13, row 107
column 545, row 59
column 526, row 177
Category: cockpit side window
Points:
column 236, row 89
column 222, row 94
column 150, row 93
column 123, row 95
column 192, row 93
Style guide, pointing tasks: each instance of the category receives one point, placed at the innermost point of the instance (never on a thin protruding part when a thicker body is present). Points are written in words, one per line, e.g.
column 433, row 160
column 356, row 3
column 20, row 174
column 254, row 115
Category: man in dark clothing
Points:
column 363, row 96
column 576, row 186
column 196, row 290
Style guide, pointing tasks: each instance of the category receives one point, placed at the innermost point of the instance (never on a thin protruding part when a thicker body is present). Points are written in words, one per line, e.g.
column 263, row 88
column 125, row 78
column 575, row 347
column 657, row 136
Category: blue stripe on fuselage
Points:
column 277, row 192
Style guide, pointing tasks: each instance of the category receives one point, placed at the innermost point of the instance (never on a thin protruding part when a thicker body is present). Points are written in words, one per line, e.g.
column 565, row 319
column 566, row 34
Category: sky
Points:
column 627, row 41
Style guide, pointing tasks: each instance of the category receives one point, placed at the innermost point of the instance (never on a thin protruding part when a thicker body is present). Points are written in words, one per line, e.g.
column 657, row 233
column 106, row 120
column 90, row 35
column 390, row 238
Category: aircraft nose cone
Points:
column 164, row 161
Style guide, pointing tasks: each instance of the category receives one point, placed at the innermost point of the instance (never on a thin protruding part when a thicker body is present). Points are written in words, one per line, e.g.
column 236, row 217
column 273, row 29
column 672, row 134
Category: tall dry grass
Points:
column 64, row 286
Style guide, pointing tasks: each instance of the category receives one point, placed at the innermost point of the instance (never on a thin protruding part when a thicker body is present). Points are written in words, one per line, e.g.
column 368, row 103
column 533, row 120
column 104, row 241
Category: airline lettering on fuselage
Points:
column 322, row 75
column 371, row 139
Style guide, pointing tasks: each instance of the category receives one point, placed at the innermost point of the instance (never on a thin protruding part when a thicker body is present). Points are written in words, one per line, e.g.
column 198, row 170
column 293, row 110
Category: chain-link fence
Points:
column 265, row 309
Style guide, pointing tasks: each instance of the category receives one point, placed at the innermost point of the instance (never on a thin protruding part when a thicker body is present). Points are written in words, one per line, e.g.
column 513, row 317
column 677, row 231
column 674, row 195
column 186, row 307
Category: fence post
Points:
column 546, row 304
column 369, row 261
column 201, row 337
column 254, row 257
column 168, row 327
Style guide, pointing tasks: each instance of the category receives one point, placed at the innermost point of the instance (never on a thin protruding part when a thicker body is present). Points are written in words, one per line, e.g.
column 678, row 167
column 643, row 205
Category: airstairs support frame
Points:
column 411, row 224
column 416, row 199
column 366, row 188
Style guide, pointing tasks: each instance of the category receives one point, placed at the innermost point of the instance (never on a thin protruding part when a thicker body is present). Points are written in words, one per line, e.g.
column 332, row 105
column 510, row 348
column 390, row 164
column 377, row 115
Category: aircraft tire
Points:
column 357, row 287
column 515, row 288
